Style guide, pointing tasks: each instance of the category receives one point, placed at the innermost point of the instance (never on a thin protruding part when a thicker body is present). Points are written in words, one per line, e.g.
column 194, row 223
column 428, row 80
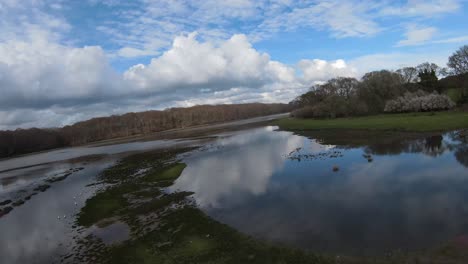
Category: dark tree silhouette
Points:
column 462, row 155
column 458, row 62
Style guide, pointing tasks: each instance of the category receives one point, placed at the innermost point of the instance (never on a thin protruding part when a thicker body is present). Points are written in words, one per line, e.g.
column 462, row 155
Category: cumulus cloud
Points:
column 50, row 74
column 45, row 83
column 37, row 73
column 320, row 70
column 193, row 64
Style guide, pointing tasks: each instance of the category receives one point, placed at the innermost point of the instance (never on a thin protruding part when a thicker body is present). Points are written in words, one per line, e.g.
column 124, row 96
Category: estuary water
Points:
column 342, row 192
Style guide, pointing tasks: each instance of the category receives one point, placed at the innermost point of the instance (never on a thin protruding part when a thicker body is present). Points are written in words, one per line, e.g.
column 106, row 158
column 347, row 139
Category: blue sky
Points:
column 65, row 61
column 288, row 45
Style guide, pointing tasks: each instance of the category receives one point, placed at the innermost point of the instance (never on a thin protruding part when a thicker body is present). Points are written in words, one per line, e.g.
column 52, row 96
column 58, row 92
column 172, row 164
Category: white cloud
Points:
column 23, row 21
column 190, row 63
column 148, row 20
column 423, row 8
column 321, row 70
column 417, row 36
column 36, row 71
column 342, row 19
column 49, row 77
column 136, row 25
column 45, row 83
column 461, row 39
column 396, row 60
column 53, row 84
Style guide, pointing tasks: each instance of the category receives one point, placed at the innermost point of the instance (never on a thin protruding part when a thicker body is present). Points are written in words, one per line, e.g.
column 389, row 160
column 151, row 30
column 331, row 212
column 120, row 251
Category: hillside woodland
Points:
column 23, row 141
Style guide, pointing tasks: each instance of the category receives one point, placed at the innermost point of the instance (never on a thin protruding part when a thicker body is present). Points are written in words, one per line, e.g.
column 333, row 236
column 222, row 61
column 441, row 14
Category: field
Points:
column 420, row 122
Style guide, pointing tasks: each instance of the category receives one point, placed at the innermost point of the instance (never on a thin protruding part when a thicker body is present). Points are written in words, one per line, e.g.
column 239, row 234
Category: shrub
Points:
column 456, row 95
column 332, row 107
column 419, row 101
column 316, row 111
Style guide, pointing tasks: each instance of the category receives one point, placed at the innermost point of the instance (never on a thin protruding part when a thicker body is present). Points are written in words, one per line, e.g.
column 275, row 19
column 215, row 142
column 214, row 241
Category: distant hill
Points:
column 23, row 141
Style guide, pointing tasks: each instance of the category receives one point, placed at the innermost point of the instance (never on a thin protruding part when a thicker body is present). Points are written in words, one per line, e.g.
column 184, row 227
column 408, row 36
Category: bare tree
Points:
column 458, row 62
column 345, row 86
column 409, row 74
column 429, row 67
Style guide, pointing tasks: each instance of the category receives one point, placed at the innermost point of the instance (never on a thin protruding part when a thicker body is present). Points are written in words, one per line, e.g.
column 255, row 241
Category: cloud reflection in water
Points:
column 410, row 196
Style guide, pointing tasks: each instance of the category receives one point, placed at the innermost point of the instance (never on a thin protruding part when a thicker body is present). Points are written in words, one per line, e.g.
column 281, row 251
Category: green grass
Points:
column 105, row 204
column 115, row 200
column 166, row 174
column 187, row 235
column 418, row 122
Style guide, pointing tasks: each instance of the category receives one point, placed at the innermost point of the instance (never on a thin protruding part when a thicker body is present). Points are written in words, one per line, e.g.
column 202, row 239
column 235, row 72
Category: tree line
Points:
column 23, row 141
column 409, row 89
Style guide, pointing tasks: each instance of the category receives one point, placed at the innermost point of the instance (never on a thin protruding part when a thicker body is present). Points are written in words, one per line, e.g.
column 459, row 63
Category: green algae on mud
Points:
column 186, row 235
column 166, row 227
column 133, row 177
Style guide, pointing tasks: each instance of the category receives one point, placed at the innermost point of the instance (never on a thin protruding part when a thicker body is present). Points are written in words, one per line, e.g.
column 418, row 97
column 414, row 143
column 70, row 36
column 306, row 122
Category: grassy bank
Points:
column 419, row 122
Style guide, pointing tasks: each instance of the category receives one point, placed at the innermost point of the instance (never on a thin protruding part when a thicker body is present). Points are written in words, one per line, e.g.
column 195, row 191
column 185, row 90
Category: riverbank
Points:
column 200, row 131
column 418, row 122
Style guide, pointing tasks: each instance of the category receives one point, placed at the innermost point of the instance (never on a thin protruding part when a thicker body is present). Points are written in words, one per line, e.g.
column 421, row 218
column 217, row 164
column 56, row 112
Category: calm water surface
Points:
column 353, row 192
column 389, row 192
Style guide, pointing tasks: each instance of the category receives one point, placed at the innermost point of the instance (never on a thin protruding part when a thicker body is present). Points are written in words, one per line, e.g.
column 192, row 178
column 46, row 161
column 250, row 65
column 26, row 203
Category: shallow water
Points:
column 40, row 230
column 327, row 191
column 387, row 192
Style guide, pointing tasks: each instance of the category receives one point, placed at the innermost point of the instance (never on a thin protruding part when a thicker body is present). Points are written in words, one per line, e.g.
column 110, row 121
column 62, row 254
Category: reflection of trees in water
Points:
column 461, row 146
column 459, row 136
column 462, row 155
column 433, row 146
column 382, row 142
column 395, row 143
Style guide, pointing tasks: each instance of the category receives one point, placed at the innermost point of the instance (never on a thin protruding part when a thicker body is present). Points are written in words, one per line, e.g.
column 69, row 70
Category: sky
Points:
column 63, row 61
